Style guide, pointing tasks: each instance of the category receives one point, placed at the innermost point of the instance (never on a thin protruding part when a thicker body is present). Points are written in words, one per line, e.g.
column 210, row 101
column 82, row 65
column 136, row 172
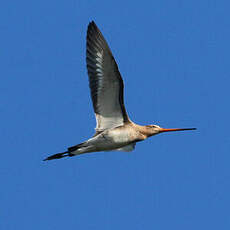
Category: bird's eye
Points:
column 151, row 126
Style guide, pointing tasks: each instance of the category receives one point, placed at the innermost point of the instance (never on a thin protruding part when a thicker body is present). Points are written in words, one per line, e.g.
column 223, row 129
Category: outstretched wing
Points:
column 106, row 84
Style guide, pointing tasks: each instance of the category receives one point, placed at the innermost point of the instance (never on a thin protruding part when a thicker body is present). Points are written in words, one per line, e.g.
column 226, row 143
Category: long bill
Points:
column 162, row 130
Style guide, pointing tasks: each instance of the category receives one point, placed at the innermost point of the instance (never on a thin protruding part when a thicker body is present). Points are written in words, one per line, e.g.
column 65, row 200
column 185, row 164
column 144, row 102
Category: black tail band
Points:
column 58, row 156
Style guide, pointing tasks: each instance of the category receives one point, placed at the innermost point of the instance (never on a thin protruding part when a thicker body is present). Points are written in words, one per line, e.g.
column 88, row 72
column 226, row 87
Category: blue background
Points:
column 174, row 59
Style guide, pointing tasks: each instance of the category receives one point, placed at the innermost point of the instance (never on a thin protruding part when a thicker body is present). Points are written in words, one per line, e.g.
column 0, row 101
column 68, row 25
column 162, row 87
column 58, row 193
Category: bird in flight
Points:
column 114, row 129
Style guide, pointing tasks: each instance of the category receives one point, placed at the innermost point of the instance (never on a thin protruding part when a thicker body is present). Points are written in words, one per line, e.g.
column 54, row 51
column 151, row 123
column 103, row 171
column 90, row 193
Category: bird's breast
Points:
column 122, row 135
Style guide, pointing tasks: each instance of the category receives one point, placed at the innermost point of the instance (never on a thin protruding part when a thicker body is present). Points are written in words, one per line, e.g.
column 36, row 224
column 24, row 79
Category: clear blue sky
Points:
column 174, row 59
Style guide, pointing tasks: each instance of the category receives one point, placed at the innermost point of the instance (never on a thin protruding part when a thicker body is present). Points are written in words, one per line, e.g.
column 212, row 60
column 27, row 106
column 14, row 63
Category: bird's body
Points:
column 114, row 129
column 114, row 139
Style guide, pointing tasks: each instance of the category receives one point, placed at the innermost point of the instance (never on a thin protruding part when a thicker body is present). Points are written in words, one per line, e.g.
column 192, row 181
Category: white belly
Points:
column 119, row 136
column 113, row 139
column 110, row 140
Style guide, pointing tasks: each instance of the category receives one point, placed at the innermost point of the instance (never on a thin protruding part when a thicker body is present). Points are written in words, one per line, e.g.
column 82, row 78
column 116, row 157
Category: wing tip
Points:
column 92, row 26
column 92, row 22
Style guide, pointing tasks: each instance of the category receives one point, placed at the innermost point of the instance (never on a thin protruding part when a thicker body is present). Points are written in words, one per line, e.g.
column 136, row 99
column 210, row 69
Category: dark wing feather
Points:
column 105, row 81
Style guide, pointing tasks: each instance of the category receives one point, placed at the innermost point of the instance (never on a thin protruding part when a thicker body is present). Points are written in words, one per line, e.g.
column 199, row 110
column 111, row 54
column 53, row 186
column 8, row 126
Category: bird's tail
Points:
column 57, row 156
column 68, row 153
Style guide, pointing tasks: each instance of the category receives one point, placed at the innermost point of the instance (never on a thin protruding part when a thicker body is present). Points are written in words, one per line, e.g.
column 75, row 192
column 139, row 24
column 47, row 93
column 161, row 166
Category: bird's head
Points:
column 155, row 129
